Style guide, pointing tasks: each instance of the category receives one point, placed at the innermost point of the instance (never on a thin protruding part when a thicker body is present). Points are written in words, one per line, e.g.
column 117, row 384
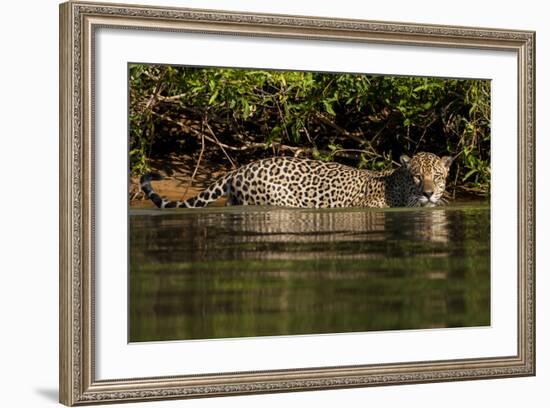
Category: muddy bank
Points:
column 178, row 182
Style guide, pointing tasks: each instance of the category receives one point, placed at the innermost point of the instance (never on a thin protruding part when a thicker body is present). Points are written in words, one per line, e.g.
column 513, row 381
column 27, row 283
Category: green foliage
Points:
column 362, row 120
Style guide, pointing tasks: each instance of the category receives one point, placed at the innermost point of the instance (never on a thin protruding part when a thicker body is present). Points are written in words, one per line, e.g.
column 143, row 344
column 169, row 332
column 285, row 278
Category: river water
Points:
column 257, row 271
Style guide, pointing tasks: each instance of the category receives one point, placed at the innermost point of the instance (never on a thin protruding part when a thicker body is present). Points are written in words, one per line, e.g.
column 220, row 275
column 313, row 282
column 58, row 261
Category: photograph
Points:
column 282, row 203
column 270, row 201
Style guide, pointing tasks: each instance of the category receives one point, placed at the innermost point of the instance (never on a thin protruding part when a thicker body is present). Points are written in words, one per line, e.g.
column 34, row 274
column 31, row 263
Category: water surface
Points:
column 257, row 271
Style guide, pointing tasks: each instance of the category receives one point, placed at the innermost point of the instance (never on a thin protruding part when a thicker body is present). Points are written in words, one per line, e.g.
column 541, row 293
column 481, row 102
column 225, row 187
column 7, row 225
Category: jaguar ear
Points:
column 446, row 161
column 405, row 160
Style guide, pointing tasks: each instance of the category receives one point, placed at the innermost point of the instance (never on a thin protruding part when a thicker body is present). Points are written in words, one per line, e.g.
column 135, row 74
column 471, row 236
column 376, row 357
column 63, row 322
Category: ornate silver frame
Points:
column 78, row 21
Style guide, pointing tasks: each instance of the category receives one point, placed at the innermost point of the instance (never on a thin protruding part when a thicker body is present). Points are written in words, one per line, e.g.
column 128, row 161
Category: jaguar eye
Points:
column 416, row 179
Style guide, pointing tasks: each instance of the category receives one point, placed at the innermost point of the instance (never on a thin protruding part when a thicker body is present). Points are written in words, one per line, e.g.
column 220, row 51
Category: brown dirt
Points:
column 177, row 183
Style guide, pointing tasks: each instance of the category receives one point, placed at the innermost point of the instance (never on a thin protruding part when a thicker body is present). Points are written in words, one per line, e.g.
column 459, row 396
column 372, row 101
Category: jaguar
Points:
column 295, row 182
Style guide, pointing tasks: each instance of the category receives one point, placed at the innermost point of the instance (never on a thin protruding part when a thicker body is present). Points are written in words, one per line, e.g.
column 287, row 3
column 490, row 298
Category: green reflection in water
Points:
column 251, row 271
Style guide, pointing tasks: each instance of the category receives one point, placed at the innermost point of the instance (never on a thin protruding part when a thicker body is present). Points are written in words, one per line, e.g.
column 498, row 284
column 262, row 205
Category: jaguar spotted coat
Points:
column 293, row 182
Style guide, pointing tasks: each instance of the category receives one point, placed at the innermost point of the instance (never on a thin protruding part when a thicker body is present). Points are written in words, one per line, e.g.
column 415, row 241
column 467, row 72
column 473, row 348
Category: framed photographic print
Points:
column 256, row 203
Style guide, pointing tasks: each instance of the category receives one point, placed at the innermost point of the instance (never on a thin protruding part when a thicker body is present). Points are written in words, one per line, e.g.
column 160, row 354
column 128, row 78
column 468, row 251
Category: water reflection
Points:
column 249, row 271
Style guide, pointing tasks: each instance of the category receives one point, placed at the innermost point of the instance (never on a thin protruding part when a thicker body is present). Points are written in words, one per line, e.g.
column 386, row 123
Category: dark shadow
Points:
column 50, row 394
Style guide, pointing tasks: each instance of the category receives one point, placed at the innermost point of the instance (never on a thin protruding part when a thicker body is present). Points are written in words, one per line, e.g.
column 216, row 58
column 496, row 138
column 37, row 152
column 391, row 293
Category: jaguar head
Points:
column 427, row 174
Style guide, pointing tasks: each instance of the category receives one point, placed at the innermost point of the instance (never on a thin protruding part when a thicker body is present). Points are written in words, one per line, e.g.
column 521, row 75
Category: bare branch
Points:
column 196, row 167
column 233, row 165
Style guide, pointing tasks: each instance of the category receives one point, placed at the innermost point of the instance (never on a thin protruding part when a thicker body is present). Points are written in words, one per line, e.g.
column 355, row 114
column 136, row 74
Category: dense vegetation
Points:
column 234, row 116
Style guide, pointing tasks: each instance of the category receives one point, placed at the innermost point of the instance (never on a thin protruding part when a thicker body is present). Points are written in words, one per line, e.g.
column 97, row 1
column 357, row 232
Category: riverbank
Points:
column 179, row 182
